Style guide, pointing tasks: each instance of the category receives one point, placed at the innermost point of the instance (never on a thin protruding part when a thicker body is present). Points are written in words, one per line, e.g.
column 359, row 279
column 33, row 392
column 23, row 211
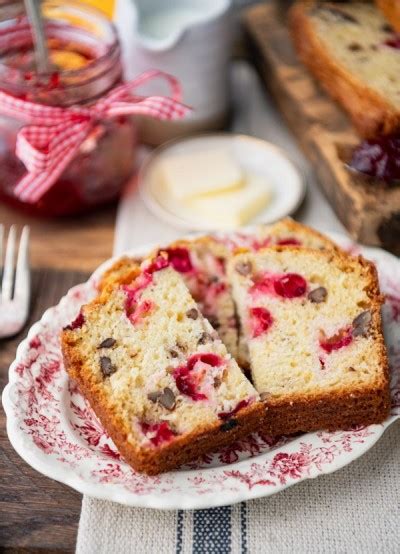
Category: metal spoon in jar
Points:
column 34, row 12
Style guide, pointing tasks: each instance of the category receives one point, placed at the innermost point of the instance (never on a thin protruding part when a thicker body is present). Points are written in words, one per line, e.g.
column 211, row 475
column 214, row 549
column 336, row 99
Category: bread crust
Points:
column 391, row 10
column 122, row 272
column 370, row 113
column 330, row 412
column 297, row 228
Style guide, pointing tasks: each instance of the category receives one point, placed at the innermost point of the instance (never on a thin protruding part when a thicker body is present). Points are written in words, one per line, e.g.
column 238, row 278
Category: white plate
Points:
column 55, row 431
column 255, row 156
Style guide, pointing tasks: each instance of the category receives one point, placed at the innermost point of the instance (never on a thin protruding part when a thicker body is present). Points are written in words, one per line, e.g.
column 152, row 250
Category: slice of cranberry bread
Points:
column 354, row 54
column 313, row 327
column 156, row 374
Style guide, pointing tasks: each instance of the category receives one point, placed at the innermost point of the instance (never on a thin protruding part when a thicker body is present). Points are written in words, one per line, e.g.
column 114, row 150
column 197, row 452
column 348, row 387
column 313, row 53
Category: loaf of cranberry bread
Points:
column 391, row 10
column 155, row 372
column 355, row 55
column 313, row 328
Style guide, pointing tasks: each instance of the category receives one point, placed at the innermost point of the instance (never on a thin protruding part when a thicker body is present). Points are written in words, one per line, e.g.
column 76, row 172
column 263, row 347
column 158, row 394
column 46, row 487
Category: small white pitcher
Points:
column 192, row 39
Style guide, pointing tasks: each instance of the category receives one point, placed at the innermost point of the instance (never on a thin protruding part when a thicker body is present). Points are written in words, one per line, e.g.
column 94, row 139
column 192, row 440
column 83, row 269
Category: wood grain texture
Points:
column 370, row 212
column 80, row 243
column 36, row 513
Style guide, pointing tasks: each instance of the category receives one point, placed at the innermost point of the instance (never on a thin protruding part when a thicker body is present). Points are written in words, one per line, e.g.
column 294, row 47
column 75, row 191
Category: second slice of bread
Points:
column 313, row 327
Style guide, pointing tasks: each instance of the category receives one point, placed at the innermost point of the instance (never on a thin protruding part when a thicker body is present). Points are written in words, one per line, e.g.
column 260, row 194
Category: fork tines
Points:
column 14, row 264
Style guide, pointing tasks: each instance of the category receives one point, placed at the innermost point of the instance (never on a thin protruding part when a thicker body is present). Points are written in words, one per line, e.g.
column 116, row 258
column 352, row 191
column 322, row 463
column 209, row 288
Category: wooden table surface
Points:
column 73, row 243
column 36, row 513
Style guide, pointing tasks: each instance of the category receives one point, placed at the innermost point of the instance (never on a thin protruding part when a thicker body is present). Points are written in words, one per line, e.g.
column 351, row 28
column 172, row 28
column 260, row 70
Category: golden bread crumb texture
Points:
column 311, row 321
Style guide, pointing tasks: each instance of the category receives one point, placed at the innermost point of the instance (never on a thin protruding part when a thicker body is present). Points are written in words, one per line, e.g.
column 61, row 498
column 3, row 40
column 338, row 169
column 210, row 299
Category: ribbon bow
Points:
column 52, row 136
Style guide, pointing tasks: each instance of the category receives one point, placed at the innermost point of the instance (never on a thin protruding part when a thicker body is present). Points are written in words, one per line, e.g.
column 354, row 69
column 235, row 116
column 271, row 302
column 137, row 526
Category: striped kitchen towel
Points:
column 355, row 510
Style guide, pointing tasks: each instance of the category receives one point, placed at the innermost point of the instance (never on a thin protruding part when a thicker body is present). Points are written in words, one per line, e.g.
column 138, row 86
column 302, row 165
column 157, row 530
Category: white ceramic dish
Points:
column 190, row 39
column 55, row 431
column 255, row 156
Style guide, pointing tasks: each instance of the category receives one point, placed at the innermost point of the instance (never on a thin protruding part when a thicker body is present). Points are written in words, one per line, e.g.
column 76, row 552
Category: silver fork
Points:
column 15, row 286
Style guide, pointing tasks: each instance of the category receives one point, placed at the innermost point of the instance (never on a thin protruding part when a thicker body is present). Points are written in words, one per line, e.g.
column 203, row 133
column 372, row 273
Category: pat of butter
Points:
column 234, row 208
column 200, row 173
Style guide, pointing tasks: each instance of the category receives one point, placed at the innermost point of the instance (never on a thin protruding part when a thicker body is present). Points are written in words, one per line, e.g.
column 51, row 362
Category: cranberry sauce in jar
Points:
column 85, row 57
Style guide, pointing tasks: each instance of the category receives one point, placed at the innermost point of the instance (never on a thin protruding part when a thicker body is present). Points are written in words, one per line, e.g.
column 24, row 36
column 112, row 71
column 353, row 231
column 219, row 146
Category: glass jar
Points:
column 85, row 57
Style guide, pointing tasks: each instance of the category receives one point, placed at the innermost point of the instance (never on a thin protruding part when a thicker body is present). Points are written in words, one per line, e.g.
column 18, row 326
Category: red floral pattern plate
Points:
column 54, row 430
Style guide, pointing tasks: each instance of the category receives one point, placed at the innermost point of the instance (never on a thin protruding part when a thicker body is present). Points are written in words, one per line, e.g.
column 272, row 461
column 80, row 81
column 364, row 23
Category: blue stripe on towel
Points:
column 243, row 527
column 179, row 530
column 212, row 531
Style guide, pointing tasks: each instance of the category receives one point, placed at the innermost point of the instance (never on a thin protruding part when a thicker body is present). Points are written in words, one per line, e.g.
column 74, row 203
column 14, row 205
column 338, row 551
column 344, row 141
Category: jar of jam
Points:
column 85, row 62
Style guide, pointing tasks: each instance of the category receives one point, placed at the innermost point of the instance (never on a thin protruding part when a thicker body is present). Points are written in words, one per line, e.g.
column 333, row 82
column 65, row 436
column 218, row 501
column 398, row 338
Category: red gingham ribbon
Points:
column 52, row 136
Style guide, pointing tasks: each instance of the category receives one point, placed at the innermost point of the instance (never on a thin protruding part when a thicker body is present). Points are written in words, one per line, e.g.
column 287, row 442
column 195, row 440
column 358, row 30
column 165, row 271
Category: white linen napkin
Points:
column 355, row 510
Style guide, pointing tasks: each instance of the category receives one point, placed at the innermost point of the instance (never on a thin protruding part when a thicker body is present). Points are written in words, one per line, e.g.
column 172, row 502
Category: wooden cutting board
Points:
column 370, row 211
